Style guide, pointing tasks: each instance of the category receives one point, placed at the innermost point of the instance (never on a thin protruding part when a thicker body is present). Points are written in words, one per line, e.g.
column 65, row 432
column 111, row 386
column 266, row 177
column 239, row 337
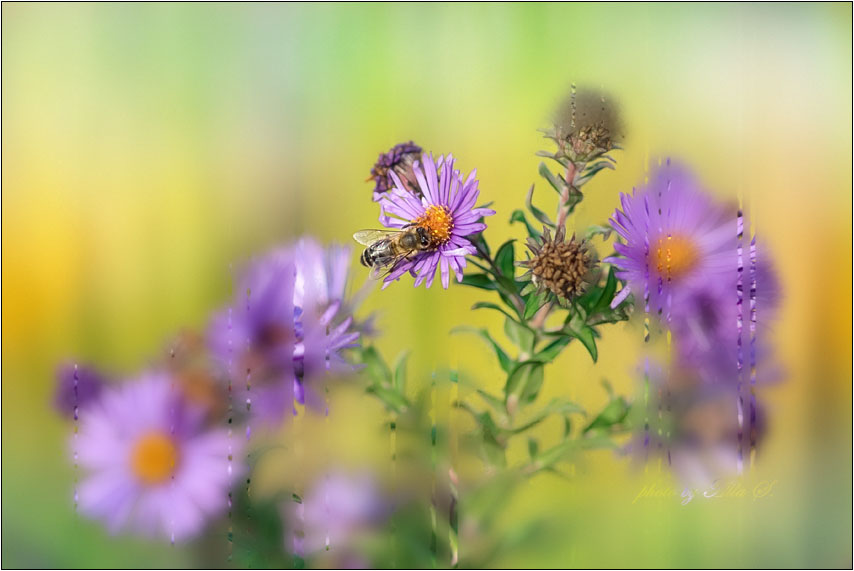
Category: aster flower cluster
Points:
column 160, row 452
column 687, row 265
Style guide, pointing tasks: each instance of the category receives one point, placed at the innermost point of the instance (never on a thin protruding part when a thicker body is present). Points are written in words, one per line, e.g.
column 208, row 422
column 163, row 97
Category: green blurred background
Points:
column 149, row 148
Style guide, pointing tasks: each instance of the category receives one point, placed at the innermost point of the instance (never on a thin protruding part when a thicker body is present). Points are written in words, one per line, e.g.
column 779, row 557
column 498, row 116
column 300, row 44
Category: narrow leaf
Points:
column 504, row 259
column 553, row 349
column 519, row 216
column 525, row 381
column 533, row 448
column 534, row 302
column 490, row 305
column 587, row 338
column 556, row 181
column 503, row 360
column 481, row 281
column 399, row 381
column 538, row 214
column 375, row 366
column 520, row 335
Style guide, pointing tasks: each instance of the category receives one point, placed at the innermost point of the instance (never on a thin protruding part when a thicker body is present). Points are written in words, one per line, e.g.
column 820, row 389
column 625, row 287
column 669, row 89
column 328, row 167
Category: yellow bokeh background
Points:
column 148, row 149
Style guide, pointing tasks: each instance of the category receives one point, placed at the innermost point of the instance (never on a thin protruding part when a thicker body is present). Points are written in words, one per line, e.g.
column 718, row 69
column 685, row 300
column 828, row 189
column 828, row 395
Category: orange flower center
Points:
column 674, row 256
column 154, row 458
column 439, row 222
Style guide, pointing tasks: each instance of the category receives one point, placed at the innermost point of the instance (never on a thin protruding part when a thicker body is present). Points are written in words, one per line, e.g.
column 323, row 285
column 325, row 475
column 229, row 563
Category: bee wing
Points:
column 368, row 237
column 384, row 266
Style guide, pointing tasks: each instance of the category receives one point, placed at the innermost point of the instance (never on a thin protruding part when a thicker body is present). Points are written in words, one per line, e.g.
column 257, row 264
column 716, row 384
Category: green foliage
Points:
column 504, row 361
column 257, row 535
column 519, row 216
column 390, row 389
column 537, row 213
column 612, row 418
column 533, row 303
column 556, row 181
column 504, row 259
column 521, row 335
column 524, row 382
column 482, row 281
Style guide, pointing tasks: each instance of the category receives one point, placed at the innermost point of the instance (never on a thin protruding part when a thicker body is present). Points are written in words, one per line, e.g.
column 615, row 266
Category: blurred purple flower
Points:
column 152, row 467
column 337, row 511
column 399, row 159
column 446, row 209
column 289, row 326
column 675, row 239
column 76, row 388
column 706, row 330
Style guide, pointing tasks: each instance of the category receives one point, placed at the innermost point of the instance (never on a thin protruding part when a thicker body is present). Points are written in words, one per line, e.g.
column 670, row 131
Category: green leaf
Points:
column 584, row 333
column 507, row 291
column 552, row 456
column 596, row 230
column 520, row 335
column 393, row 400
column 504, row 259
column 399, row 381
column 538, row 214
column 481, row 281
column 588, row 339
column 503, row 360
column 614, row 413
column 548, row 458
column 519, row 216
column 604, row 301
column 556, row 406
column 533, row 447
column 528, row 288
column 525, row 381
column 491, row 400
column 490, row 305
column 375, row 366
column 556, row 181
column 548, row 353
column 492, row 447
column 534, row 302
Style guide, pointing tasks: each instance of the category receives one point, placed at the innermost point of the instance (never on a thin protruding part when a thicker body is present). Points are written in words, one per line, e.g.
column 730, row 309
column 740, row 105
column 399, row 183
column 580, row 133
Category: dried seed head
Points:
column 563, row 267
column 587, row 125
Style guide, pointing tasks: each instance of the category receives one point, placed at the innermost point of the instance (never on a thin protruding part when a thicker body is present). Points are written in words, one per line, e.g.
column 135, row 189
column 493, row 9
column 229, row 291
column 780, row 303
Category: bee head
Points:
column 423, row 236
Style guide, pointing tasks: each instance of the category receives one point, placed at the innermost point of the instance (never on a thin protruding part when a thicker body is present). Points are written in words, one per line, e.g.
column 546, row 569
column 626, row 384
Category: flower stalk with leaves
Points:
column 564, row 280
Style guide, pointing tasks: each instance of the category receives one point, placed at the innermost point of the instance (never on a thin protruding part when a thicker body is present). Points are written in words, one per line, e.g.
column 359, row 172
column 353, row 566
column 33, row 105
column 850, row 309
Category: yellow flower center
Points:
column 154, row 458
column 439, row 222
column 674, row 256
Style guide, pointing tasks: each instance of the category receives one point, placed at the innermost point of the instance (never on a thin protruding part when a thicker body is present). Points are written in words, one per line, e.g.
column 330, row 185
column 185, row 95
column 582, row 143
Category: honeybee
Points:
column 385, row 248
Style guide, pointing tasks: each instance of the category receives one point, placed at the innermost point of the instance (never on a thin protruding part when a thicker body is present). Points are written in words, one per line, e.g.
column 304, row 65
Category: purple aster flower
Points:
column 398, row 160
column 337, row 512
column 675, row 239
column 255, row 340
column 287, row 328
column 152, row 466
column 706, row 331
column 446, row 210
column 76, row 388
